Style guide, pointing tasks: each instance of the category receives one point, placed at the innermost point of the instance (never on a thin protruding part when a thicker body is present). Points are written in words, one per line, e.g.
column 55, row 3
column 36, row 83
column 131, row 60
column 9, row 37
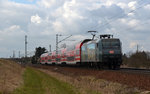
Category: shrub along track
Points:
column 139, row 80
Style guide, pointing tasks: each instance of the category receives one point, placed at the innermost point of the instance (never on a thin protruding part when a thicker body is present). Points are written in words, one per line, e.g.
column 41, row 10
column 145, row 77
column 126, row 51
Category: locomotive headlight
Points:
column 111, row 52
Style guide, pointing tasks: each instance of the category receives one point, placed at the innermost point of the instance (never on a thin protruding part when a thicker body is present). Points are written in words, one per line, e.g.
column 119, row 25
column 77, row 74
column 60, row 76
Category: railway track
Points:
column 136, row 70
column 125, row 70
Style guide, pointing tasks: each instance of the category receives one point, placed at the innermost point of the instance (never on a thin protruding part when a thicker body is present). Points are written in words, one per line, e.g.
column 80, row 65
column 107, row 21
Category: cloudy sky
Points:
column 41, row 20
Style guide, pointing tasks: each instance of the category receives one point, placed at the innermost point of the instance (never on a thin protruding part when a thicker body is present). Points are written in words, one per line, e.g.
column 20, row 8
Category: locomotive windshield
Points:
column 110, row 43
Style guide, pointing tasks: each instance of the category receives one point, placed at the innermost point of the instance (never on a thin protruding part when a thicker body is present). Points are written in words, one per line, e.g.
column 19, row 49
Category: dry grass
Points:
column 87, row 84
column 10, row 76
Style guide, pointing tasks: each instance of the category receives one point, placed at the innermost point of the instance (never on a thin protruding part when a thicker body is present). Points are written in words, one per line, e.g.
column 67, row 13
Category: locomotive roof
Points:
column 111, row 39
column 86, row 40
column 93, row 41
column 77, row 44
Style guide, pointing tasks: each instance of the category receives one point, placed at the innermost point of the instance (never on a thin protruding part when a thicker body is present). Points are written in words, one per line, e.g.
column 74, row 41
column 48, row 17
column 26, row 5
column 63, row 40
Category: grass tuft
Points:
column 32, row 83
column 37, row 82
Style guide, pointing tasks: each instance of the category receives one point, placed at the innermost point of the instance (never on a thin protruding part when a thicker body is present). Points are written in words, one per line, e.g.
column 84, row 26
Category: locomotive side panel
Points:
column 91, row 52
column 63, row 56
column 84, row 53
column 71, row 55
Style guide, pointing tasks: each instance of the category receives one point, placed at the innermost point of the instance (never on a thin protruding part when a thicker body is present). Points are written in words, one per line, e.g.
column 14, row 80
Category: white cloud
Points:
column 129, row 22
column 123, row 20
column 36, row 19
column 69, row 11
column 133, row 44
column 130, row 14
column 42, row 20
column 147, row 6
column 14, row 27
column 122, row 5
column 109, row 3
column 133, row 22
column 58, row 27
column 132, row 5
column 47, row 3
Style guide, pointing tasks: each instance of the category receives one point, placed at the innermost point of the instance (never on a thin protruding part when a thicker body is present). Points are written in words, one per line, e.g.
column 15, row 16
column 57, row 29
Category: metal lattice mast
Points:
column 57, row 41
column 56, row 44
column 49, row 48
column 26, row 45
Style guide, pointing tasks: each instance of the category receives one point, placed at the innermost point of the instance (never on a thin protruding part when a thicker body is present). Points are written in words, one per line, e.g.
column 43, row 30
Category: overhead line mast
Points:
column 26, row 45
column 57, row 41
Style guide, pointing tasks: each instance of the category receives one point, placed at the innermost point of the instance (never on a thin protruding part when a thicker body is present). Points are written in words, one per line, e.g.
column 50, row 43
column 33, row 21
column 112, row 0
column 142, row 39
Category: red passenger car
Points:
column 74, row 52
column 63, row 56
column 53, row 57
column 69, row 55
column 49, row 61
column 44, row 58
column 58, row 57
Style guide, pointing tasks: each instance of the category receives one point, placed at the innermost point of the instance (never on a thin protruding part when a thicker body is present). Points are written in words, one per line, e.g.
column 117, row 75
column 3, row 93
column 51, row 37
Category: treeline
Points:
column 137, row 59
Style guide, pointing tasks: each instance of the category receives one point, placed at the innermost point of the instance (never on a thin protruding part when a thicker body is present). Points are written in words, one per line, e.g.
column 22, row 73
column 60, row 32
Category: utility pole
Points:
column 19, row 54
column 49, row 48
column 13, row 54
column 26, row 46
column 57, row 41
column 137, row 48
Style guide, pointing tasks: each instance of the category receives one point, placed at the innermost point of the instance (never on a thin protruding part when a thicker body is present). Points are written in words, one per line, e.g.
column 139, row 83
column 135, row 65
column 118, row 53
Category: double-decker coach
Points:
column 44, row 58
column 63, row 56
column 73, row 53
column 53, row 55
column 58, row 57
column 49, row 58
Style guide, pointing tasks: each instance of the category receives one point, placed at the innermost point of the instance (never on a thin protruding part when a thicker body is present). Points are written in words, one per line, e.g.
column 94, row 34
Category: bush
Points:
column 138, row 59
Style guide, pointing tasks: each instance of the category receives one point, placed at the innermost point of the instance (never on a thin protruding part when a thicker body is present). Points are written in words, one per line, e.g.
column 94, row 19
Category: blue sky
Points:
column 25, row 1
column 41, row 20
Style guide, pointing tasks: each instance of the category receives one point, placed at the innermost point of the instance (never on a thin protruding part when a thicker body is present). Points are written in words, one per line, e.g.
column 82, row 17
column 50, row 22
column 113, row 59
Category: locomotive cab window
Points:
column 109, row 43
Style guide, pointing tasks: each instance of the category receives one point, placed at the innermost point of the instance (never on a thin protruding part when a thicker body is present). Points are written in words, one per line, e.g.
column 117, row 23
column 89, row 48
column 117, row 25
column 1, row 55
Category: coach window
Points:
column 77, row 51
column 83, row 48
column 64, row 54
column 53, row 56
column 91, row 46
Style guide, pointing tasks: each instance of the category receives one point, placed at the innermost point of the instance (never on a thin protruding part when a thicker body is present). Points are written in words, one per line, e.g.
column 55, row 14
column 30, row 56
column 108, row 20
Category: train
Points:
column 103, row 52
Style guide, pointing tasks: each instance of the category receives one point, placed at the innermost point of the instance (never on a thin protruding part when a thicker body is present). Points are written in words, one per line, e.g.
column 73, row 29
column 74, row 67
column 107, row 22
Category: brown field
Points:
column 86, row 83
column 10, row 76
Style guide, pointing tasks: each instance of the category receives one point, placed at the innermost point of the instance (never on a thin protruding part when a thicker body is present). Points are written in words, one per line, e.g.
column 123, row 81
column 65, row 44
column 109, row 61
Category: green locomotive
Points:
column 106, row 51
